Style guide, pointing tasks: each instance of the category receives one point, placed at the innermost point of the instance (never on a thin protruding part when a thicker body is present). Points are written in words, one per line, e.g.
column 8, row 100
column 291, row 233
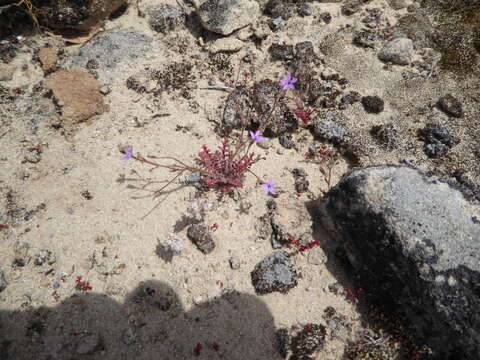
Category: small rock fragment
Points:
column 234, row 263
column 398, row 51
column 44, row 256
column 201, row 237
column 3, row 281
column 281, row 51
column 227, row 45
column 311, row 338
column 286, row 141
column 331, row 131
column 165, row 18
column 276, row 23
column 451, row 106
column 305, row 52
column 349, row 98
column 326, row 17
column 21, row 253
column 329, row 74
column 226, row 16
column 373, row 104
column 305, row 9
column 80, row 102
column 264, row 144
column 365, row 38
column 48, row 57
column 387, row 134
column 274, row 273
column 301, row 182
column 438, row 140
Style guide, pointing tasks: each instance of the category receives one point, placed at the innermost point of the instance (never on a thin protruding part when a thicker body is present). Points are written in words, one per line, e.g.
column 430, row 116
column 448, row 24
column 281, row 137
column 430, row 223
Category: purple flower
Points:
column 288, row 82
column 255, row 136
column 269, row 187
column 128, row 151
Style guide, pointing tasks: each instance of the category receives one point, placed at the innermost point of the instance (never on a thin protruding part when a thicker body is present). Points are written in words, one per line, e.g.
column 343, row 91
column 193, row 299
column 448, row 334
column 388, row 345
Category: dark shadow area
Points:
column 150, row 324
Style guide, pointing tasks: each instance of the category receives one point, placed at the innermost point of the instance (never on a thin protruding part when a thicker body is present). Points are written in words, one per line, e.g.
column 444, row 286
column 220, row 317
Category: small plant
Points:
column 327, row 157
column 223, row 169
column 303, row 114
column 82, row 285
column 296, row 243
column 226, row 167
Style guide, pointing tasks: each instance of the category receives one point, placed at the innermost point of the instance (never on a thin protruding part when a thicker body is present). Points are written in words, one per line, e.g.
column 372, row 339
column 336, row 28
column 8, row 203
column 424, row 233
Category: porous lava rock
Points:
column 413, row 241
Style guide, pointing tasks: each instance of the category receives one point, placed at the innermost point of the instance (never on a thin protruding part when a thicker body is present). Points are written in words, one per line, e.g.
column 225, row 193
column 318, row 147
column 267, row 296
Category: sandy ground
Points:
column 84, row 205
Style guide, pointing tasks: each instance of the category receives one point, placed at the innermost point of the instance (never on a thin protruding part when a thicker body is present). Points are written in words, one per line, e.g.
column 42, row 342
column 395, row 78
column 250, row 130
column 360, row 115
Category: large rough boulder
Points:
column 414, row 242
column 226, row 16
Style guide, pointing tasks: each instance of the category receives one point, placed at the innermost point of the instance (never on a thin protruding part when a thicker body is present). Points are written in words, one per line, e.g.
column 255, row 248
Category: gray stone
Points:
column 165, row 18
column 20, row 250
column 111, row 49
column 330, row 130
column 201, row 237
column 237, row 103
column 3, row 281
column 365, row 38
column 451, row 106
column 276, row 23
column 226, row 16
column 305, row 9
column 413, row 243
column 44, row 256
column 438, row 140
column 387, row 134
column 234, row 263
column 274, row 273
column 398, row 51
column 264, row 144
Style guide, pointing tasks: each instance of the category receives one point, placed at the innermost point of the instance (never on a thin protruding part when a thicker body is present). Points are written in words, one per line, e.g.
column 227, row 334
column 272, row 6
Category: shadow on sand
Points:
column 150, row 324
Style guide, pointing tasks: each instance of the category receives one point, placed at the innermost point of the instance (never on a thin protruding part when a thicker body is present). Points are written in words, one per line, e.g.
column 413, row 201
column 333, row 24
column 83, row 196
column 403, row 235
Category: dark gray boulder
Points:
column 414, row 242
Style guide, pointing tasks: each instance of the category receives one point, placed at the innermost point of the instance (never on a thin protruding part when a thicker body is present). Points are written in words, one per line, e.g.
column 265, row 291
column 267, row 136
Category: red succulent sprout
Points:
column 225, row 169
column 82, row 285
column 304, row 114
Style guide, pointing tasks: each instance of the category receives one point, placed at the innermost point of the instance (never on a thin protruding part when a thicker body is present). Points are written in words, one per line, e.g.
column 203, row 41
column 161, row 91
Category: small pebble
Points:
column 373, row 104
column 234, row 263
column 264, row 144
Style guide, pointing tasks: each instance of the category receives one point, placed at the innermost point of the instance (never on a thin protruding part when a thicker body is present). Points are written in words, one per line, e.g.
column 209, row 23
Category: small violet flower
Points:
column 128, row 151
column 269, row 187
column 288, row 82
column 255, row 136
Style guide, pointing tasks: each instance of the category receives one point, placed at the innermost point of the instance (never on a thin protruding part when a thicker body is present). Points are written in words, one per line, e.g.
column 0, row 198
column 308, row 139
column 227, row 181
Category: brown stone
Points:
column 48, row 58
column 78, row 93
